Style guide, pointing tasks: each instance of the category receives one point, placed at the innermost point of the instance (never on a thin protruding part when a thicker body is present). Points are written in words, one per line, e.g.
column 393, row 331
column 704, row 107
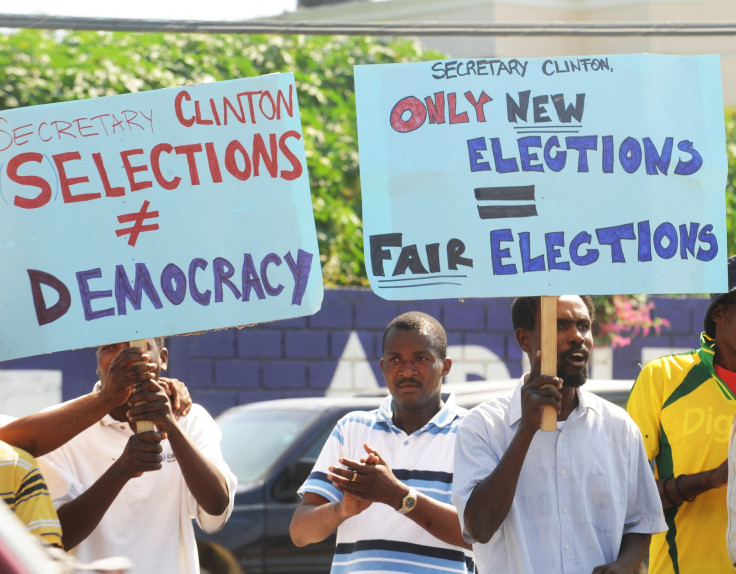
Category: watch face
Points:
column 410, row 502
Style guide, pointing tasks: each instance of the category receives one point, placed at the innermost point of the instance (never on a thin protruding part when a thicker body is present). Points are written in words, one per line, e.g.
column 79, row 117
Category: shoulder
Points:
column 198, row 417
column 10, row 453
column 613, row 415
column 491, row 412
column 669, row 365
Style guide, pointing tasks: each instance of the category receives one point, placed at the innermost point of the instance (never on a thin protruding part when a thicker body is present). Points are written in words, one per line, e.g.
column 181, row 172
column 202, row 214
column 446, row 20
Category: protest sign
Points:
column 153, row 214
column 507, row 177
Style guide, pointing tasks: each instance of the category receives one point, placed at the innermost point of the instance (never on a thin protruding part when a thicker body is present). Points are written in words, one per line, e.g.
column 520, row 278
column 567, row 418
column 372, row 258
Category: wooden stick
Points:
column 548, row 311
column 142, row 426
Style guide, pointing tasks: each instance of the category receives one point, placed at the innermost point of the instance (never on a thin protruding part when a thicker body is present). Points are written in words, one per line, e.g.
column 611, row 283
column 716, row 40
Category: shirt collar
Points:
column 586, row 401
column 448, row 413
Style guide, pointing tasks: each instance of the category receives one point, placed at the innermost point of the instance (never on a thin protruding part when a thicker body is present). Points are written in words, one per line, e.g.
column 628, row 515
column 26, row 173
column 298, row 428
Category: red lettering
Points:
column 189, row 151
column 231, row 164
column 7, row 134
column 480, row 113
column 280, row 100
column 296, row 164
column 66, row 181
column 227, row 104
column 18, row 136
column 198, row 115
column 436, row 108
column 156, row 167
column 131, row 170
column 183, row 95
column 44, row 195
column 129, row 119
column 39, row 132
column 62, row 130
column 81, row 128
column 213, row 163
column 416, row 118
column 214, row 111
column 116, row 123
column 109, row 190
column 456, row 118
column 259, row 152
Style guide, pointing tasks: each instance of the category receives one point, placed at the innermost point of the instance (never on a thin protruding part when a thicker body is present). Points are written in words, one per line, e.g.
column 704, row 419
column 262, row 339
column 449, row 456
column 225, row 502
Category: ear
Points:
column 164, row 354
column 523, row 338
column 446, row 366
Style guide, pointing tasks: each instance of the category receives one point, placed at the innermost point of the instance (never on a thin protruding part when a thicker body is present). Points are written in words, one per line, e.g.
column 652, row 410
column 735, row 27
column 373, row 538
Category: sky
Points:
column 155, row 9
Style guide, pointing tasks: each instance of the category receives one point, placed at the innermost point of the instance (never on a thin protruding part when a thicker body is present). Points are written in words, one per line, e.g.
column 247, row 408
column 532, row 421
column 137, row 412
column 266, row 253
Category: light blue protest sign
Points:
column 153, row 214
column 506, row 177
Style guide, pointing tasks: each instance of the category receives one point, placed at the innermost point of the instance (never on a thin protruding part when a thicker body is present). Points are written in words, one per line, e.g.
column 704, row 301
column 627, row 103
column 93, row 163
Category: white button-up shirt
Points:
column 581, row 488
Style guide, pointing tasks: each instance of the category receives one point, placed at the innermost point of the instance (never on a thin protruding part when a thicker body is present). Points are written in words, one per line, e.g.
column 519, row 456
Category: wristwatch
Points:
column 409, row 502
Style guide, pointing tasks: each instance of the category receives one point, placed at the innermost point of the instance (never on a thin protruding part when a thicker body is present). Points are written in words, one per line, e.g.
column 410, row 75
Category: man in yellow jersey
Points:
column 684, row 405
column 25, row 492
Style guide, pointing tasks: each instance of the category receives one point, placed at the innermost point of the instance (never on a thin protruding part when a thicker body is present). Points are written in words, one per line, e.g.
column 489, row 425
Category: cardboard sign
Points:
column 508, row 177
column 153, row 214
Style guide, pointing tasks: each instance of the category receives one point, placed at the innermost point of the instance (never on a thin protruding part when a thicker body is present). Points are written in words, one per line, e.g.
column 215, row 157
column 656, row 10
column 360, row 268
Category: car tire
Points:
column 214, row 559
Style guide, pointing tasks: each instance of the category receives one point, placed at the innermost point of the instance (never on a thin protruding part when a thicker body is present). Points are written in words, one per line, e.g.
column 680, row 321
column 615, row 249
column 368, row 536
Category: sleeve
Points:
column 58, row 471
column 475, row 459
column 645, row 405
column 206, row 435
column 644, row 512
column 333, row 449
column 33, row 505
column 731, row 496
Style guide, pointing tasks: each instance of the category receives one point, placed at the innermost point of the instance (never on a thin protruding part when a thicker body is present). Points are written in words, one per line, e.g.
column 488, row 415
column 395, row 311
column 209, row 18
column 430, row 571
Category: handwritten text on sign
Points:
column 543, row 176
column 153, row 214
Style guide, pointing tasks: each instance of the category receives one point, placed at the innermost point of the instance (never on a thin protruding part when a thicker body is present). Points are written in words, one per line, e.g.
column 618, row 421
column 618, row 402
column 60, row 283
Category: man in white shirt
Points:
column 580, row 499
column 121, row 493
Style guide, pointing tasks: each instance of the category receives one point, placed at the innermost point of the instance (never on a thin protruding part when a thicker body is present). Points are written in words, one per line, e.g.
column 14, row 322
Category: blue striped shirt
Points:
column 379, row 539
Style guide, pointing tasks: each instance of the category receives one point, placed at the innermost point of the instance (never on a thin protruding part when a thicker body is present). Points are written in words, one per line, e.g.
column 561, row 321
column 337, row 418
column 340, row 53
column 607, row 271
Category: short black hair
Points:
column 524, row 311
column 427, row 325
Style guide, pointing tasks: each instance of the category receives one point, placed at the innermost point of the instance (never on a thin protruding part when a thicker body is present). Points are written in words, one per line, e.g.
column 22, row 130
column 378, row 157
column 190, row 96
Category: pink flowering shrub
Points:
column 623, row 317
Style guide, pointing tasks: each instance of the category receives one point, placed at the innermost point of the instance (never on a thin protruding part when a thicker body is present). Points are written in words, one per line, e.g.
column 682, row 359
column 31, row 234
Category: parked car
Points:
column 271, row 446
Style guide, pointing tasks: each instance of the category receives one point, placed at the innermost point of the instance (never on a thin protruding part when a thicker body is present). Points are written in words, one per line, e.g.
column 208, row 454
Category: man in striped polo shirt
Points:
column 684, row 405
column 383, row 478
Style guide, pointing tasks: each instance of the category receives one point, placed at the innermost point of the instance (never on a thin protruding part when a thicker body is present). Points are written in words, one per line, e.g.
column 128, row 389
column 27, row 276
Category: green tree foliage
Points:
column 731, row 182
column 40, row 67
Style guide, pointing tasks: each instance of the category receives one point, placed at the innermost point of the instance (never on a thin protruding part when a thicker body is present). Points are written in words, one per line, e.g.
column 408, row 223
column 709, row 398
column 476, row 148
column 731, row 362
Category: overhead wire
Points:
column 276, row 26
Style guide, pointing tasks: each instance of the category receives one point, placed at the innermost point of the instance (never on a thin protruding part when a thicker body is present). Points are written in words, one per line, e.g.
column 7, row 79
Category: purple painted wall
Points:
column 299, row 357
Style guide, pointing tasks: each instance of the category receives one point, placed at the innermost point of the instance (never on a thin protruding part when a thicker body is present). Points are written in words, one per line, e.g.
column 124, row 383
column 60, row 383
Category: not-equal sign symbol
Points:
column 506, row 194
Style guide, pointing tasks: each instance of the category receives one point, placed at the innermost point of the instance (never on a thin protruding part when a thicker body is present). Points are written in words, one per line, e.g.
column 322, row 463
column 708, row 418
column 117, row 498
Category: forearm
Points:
column 44, row 432
column 634, row 547
column 491, row 499
column 439, row 519
column 204, row 480
column 673, row 491
column 81, row 516
column 313, row 523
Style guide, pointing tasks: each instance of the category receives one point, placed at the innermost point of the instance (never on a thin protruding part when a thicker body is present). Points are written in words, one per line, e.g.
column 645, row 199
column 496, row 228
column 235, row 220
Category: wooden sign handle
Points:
column 548, row 311
column 142, row 426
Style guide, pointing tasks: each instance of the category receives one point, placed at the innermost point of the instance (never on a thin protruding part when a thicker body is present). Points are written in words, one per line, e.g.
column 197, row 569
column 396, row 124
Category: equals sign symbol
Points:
column 505, row 194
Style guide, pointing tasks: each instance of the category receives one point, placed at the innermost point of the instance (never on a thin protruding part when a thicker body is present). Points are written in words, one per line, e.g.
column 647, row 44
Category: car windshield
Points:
column 253, row 439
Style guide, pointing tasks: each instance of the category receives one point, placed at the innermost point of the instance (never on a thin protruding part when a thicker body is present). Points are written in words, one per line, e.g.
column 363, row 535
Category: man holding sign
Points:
column 579, row 499
column 120, row 493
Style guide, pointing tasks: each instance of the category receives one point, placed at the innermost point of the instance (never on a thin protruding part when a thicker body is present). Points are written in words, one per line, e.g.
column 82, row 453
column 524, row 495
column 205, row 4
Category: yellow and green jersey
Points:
column 24, row 491
column 684, row 412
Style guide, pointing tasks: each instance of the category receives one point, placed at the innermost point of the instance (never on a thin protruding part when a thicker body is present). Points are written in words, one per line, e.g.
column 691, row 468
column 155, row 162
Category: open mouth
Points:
column 576, row 358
